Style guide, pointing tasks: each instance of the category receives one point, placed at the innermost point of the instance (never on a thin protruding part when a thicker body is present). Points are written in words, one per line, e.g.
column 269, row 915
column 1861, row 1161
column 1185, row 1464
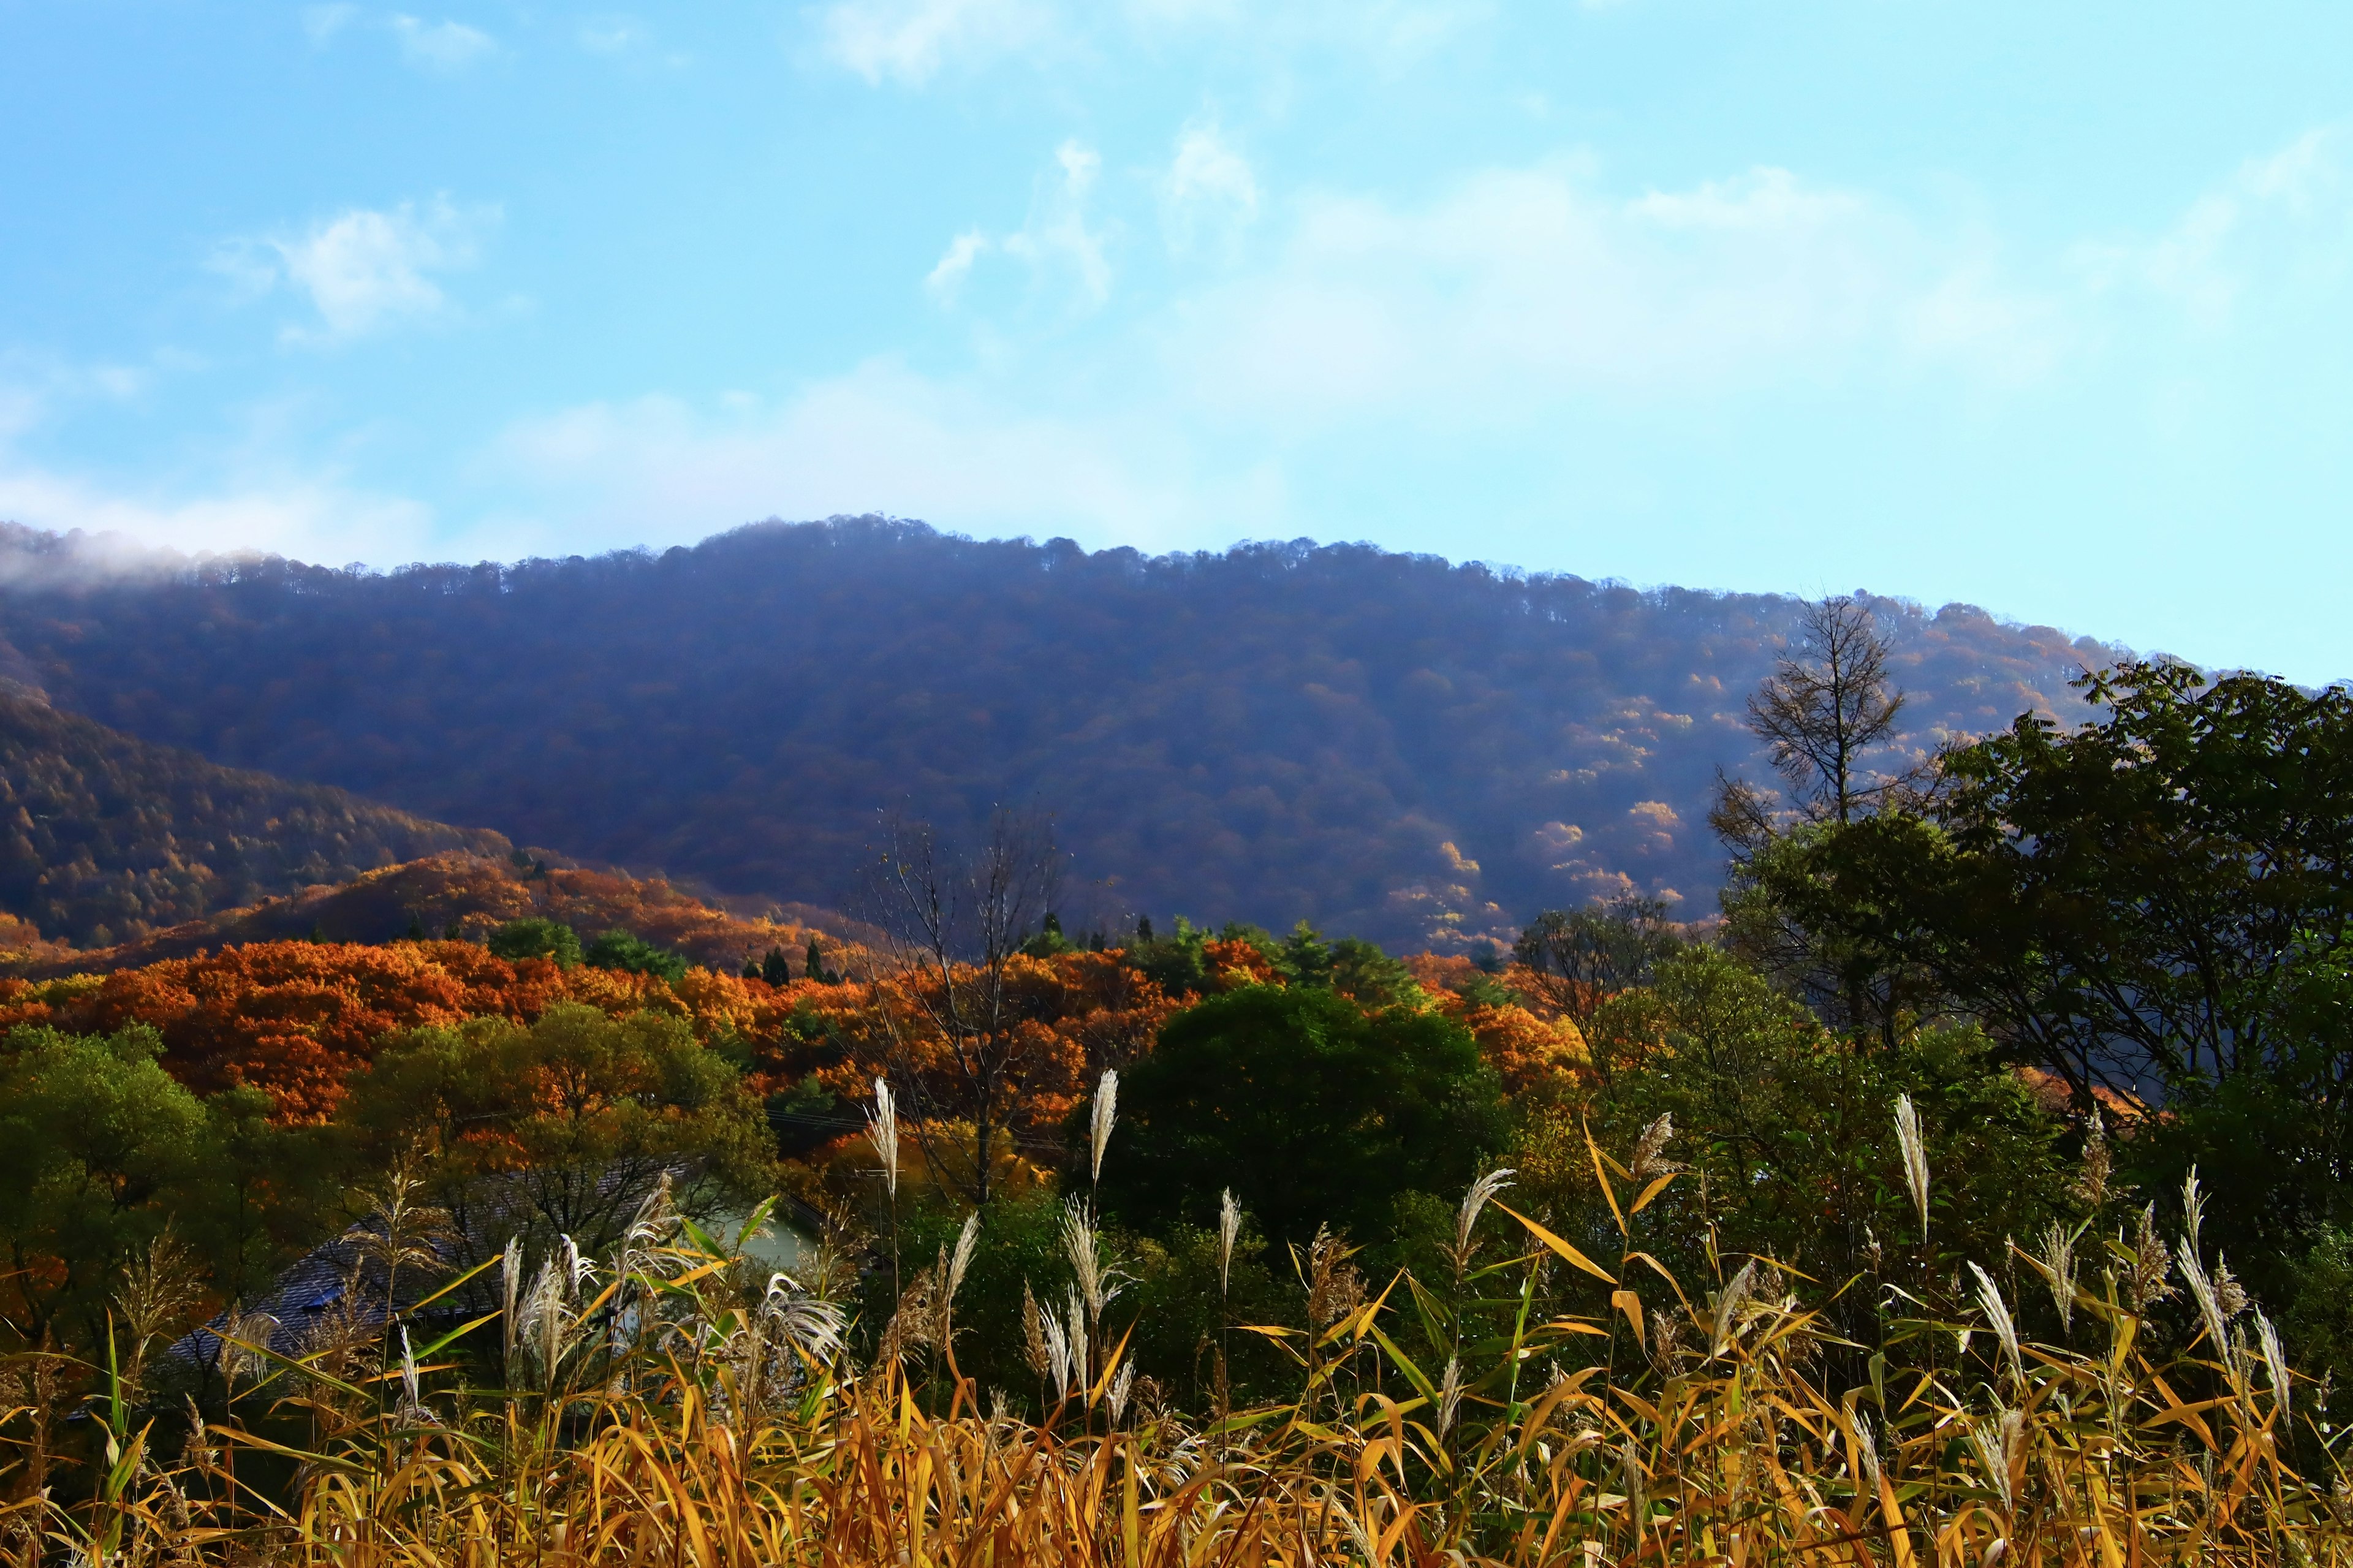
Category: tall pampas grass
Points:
column 1915, row 1157
column 1105, row 1112
column 883, row 1132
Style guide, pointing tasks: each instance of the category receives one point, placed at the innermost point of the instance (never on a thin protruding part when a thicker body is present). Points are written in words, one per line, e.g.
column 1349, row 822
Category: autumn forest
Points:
column 849, row 1044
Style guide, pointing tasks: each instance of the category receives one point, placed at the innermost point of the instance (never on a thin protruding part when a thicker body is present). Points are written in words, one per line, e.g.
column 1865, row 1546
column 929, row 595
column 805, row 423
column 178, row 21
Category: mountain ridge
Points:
column 1389, row 745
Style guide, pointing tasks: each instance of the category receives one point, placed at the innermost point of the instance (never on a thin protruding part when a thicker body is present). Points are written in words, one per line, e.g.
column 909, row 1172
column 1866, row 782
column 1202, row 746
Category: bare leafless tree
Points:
column 952, row 924
column 1827, row 704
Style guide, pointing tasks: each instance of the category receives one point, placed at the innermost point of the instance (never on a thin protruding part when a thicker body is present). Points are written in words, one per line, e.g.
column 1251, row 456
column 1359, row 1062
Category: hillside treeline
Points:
column 104, row 839
column 1416, row 752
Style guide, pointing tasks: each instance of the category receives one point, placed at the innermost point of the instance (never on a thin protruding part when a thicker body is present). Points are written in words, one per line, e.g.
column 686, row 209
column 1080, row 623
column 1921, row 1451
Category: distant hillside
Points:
column 468, row 894
column 1388, row 745
column 104, row 839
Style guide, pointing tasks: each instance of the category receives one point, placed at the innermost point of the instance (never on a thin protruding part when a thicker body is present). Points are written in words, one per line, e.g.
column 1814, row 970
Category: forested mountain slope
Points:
column 1388, row 745
column 466, row 895
column 104, row 838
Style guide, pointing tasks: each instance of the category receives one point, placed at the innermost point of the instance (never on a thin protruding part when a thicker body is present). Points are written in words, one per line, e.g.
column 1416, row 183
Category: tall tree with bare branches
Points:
column 1825, row 706
column 955, row 1023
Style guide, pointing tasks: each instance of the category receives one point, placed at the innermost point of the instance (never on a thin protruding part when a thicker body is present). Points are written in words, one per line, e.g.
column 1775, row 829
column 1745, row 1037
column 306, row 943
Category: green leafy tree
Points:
column 1789, row 1128
column 536, row 937
column 1309, row 1107
column 2157, row 902
column 97, row 1147
column 565, row 1123
column 622, row 949
column 1579, row 959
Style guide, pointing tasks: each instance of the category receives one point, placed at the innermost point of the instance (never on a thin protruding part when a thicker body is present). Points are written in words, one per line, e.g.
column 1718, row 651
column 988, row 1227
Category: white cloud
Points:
column 611, row 36
column 322, row 22
column 1065, row 252
column 258, row 507
column 1519, row 286
column 882, row 438
column 909, row 41
column 955, row 262
column 2279, row 219
column 1209, row 188
column 441, row 46
column 365, row 271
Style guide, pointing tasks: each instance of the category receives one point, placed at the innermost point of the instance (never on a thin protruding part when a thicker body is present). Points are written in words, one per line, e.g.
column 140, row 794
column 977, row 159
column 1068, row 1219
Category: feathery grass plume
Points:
column 549, row 1320
column 510, row 1290
column 1074, row 1332
column 1229, row 1225
column 1122, row 1384
column 1998, row 1439
column 1866, row 1445
column 411, row 1409
column 1666, row 1347
column 1104, row 1113
column 1915, row 1157
column 2057, row 1264
column 2229, row 1294
column 1649, row 1151
column 1034, row 1348
column 2099, row 1165
column 1467, row 1216
column 1724, row 1315
column 2193, row 1213
column 2210, row 1310
column 1058, row 1349
column 2151, row 1263
column 808, row 1325
column 2274, row 1364
column 968, row 1239
column 1334, row 1288
column 1097, row 1285
column 1450, row 1395
column 883, row 1132
column 1997, row 1312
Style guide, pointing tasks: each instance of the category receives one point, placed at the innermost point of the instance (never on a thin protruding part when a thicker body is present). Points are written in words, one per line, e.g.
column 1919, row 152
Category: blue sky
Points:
column 2042, row 307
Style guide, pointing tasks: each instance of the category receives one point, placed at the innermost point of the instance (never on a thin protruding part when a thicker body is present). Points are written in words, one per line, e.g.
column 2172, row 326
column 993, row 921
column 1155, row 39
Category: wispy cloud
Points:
column 882, row 438
column 364, row 270
column 1520, row 285
column 444, row 46
column 322, row 22
column 2281, row 219
column 1209, row 188
column 911, row 41
column 1064, row 250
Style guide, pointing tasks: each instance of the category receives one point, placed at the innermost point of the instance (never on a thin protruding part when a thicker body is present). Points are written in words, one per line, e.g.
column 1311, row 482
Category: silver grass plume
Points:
column 883, row 1132
column 1450, row 1395
column 1097, row 1287
column 1122, row 1386
column 1229, row 1225
column 961, row 1260
column 412, row 1406
column 1997, row 1439
column 2273, row 1361
column 2057, row 1264
column 1485, row 1187
column 2201, row 1290
column 1867, row 1446
column 1649, row 1151
column 511, row 1286
column 1058, row 1349
column 2193, row 1212
column 1915, row 1157
column 1729, row 1304
column 800, row 1320
column 1104, row 1113
column 1997, row 1312
column 1075, row 1332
